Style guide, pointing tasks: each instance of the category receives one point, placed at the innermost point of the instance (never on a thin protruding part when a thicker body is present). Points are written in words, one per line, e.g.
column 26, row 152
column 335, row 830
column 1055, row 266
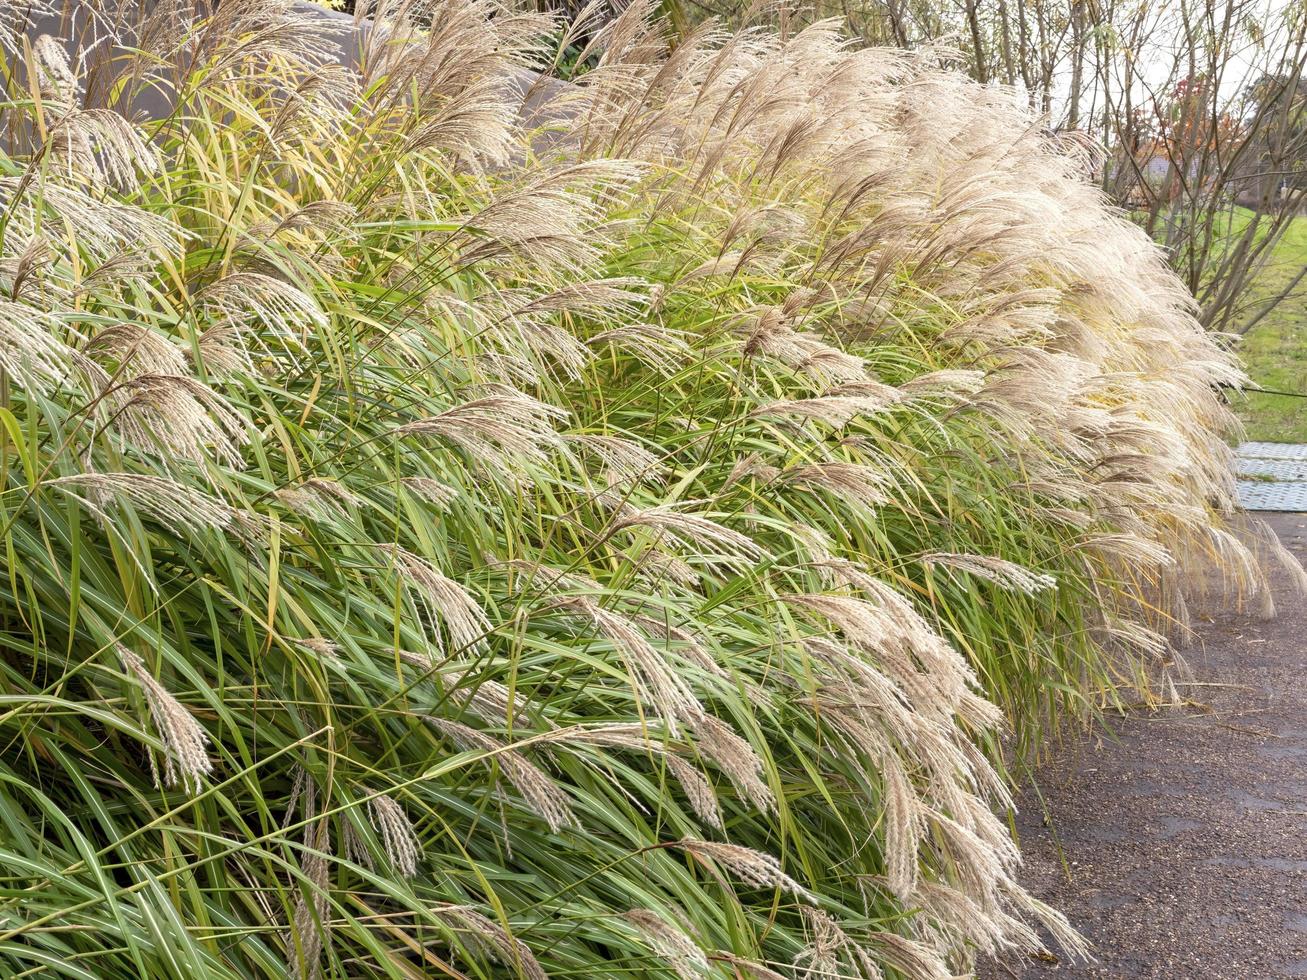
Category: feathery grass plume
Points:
column 836, row 410
column 18, row 18
column 1265, row 539
column 320, row 646
column 136, row 349
column 310, row 926
column 331, row 218
column 354, row 846
column 185, row 744
column 105, row 229
column 56, row 80
column 736, row 758
column 669, row 942
column 688, row 644
column 439, row 495
column 948, row 383
column 852, row 481
column 501, row 431
column 102, row 148
column 647, row 739
column 22, row 275
column 174, row 416
column 750, row 866
column 655, row 676
column 751, row 465
column 830, row 946
column 443, row 599
column 623, row 460
column 623, row 296
column 770, row 334
column 659, row 568
column 397, row 838
column 480, row 933
column 691, row 531
column 664, row 350
column 30, row 349
column 720, row 375
column 540, row 792
column 751, row 968
column 491, row 701
column 179, row 508
column 222, row 351
column 698, row 791
column 1003, row 573
column 549, row 220
column 1129, row 547
column 271, row 301
column 910, row 957
column 320, row 497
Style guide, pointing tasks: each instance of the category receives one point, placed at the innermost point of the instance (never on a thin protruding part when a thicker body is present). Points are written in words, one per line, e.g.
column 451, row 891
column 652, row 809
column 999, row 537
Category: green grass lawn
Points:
column 1275, row 351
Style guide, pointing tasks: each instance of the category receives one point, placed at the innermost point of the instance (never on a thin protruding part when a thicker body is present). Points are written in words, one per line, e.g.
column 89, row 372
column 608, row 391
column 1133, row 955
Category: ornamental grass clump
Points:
column 610, row 538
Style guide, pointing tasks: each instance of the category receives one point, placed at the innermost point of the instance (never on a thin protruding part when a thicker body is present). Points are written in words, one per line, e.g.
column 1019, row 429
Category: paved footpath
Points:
column 1179, row 847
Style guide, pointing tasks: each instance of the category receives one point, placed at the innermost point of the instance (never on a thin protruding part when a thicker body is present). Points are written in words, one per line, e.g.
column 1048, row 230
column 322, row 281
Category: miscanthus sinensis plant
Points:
column 606, row 538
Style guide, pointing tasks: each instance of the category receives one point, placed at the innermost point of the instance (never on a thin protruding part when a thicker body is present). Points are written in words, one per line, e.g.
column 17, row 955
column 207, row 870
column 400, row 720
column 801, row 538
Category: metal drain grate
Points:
column 1280, row 469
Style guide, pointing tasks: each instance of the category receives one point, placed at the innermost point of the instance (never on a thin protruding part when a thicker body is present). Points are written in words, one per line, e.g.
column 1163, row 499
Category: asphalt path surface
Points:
column 1177, row 841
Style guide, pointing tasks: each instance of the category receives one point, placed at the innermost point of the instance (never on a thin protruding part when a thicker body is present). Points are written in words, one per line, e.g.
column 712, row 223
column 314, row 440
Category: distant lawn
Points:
column 1275, row 351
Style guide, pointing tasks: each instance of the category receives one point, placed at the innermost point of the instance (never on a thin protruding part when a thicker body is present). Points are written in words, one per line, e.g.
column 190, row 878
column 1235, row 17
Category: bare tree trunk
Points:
column 1077, row 63
column 1005, row 42
column 1046, row 60
column 1025, row 56
column 981, row 68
